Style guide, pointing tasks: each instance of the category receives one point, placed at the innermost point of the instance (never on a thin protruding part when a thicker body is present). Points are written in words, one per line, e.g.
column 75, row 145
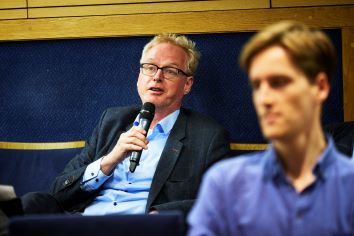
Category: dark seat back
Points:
column 170, row 224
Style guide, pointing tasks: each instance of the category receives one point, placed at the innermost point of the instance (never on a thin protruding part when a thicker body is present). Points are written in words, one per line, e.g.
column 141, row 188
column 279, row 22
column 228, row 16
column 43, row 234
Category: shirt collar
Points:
column 326, row 159
column 274, row 169
column 165, row 125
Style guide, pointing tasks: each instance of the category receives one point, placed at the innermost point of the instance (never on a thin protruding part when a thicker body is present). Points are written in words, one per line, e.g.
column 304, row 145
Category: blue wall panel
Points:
column 56, row 90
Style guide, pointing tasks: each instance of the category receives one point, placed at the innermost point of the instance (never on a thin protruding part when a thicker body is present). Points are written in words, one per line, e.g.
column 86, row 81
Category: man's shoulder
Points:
column 124, row 112
column 256, row 158
column 119, row 117
column 344, row 165
column 247, row 165
column 122, row 109
column 197, row 118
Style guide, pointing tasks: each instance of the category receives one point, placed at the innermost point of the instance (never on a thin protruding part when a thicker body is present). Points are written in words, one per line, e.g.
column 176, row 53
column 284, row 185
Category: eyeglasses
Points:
column 167, row 71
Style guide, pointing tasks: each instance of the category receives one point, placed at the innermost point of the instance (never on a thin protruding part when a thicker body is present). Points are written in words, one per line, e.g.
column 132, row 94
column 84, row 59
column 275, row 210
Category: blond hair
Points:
column 181, row 41
column 310, row 49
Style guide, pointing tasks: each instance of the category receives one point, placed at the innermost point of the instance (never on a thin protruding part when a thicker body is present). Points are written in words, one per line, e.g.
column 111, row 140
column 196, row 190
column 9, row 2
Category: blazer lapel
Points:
column 168, row 158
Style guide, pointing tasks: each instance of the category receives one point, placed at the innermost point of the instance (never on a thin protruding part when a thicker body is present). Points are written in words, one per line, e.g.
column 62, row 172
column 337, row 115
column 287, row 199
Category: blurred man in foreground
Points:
column 301, row 185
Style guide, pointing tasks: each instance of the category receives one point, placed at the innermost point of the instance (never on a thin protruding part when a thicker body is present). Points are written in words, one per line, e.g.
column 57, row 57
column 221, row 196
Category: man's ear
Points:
column 188, row 85
column 322, row 83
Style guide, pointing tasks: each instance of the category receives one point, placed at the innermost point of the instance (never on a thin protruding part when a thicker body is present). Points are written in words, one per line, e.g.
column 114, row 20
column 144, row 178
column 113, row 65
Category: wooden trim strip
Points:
column 8, row 4
column 81, row 144
column 248, row 146
column 13, row 14
column 303, row 3
column 41, row 146
column 51, row 3
column 239, row 4
column 145, row 8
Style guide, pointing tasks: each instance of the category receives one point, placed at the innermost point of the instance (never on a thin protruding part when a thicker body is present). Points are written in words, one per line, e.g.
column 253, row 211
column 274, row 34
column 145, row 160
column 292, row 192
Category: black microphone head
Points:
column 147, row 111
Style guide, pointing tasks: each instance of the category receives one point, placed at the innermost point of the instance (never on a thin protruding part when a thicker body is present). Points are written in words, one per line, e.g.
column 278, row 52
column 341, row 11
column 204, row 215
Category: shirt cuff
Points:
column 93, row 177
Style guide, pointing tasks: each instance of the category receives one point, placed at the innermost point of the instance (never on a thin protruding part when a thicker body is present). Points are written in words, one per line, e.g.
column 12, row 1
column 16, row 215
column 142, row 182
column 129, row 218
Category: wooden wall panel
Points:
column 6, row 4
column 186, row 22
column 348, row 72
column 156, row 7
column 13, row 14
column 303, row 3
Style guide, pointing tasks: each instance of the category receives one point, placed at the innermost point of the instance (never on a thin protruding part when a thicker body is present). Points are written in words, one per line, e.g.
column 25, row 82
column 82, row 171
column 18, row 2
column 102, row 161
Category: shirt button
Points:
column 129, row 183
column 92, row 174
column 115, row 203
column 96, row 180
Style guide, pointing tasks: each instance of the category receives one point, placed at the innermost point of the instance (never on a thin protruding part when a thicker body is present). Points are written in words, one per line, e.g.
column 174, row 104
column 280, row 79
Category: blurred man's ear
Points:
column 323, row 85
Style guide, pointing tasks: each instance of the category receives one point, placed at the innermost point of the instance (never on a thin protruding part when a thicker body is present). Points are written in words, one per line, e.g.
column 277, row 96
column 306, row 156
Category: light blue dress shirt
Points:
column 124, row 192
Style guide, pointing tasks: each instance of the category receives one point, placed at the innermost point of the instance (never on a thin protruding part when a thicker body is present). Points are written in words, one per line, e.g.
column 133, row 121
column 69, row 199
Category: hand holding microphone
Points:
column 130, row 142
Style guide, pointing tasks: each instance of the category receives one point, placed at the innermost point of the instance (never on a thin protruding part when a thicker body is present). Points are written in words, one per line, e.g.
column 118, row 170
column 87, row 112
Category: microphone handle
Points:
column 135, row 155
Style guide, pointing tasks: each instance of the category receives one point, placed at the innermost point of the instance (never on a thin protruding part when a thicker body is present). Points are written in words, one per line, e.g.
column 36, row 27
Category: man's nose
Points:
column 265, row 94
column 158, row 75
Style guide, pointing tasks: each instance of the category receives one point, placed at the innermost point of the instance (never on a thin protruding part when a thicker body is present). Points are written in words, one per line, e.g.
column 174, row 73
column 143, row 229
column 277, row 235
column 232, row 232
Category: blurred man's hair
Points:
column 310, row 49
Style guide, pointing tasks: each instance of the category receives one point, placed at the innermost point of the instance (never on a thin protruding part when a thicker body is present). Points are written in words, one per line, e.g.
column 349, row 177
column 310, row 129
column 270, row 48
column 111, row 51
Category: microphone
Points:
column 146, row 115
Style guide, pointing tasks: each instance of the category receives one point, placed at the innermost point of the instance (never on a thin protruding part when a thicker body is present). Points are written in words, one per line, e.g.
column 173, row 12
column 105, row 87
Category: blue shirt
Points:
column 251, row 195
column 124, row 192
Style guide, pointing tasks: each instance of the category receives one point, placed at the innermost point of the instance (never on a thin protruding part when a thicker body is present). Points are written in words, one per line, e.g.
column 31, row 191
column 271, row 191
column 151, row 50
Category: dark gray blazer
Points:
column 195, row 143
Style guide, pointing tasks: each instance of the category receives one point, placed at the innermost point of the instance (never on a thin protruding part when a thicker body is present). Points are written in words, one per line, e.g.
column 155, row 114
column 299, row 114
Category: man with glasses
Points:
column 180, row 145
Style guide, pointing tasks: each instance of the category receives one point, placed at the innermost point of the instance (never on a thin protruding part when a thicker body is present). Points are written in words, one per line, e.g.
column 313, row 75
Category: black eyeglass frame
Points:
column 162, row 69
